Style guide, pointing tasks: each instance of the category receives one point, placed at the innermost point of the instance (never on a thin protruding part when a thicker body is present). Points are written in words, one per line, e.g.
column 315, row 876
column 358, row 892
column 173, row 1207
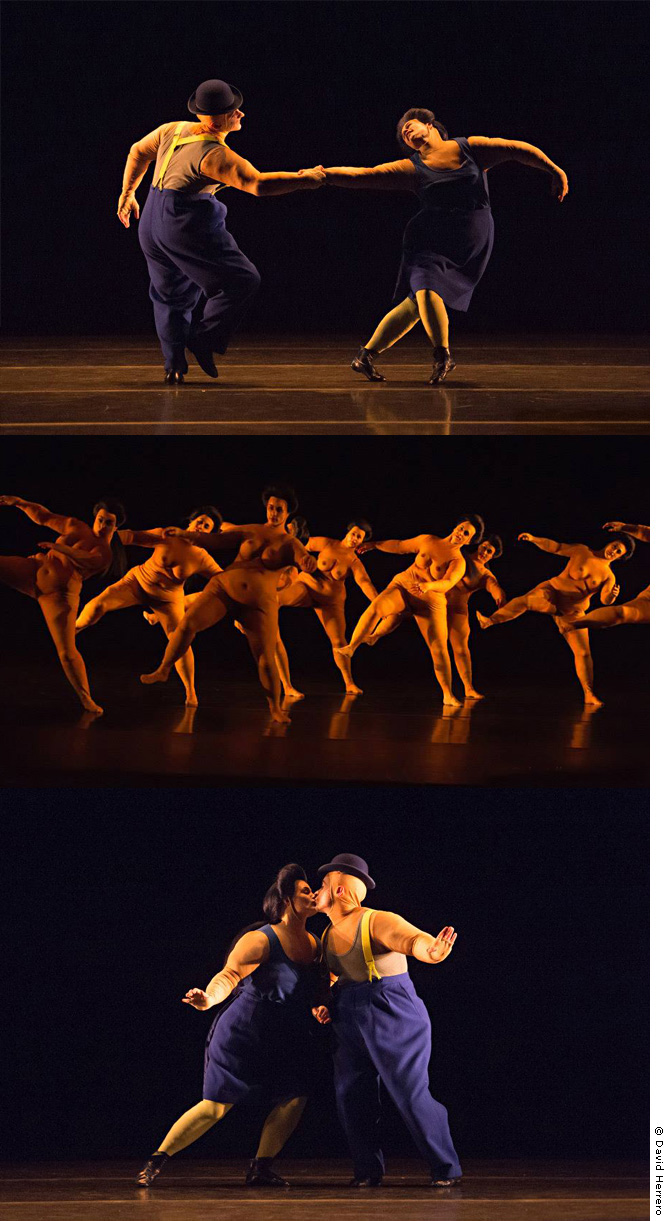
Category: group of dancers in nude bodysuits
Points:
column 278, row 564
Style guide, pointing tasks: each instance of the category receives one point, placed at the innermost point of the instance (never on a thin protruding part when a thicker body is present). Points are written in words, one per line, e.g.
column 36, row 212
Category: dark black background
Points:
column 551, row 487
column 327, row 82
column 120, row 901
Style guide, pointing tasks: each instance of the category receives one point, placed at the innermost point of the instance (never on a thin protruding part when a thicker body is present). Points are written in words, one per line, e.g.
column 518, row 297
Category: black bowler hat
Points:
column 214, row 97
column 346, row 862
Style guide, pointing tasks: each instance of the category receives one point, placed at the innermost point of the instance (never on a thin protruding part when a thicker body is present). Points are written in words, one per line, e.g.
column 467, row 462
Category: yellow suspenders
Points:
column 367, row 945
column 177, row 141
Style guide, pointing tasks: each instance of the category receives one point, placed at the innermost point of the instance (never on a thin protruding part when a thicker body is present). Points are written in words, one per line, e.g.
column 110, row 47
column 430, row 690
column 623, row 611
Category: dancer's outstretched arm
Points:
column 643, row 533
column 389, row 176
column 548, row 544
column 362, row 578
column 247, row 954
column 494, row 589
column 398, row 546
column 224, row 165
column 492, row 151
column 42, row 516
column 142, row 538
column 395, row 933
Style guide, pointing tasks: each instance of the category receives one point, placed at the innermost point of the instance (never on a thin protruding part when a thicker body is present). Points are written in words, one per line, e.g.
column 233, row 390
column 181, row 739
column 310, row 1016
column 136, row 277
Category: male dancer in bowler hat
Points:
column 183, row 236
column 382, row 1027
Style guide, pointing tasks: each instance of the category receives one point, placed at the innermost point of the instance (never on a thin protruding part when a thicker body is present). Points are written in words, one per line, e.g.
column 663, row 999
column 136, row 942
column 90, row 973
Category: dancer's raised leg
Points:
column 20, row 573
column 390, row 602
column 204, row 613
column 535, row 600
column 116, row 597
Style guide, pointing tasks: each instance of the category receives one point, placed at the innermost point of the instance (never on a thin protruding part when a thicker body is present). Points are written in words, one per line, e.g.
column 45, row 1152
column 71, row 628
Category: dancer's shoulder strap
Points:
column 367, row 944
column 163, row 167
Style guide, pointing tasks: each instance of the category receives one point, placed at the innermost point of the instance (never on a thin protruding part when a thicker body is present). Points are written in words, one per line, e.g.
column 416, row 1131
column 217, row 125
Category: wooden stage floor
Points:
column 516, row 736
column 288, row 385
column 193, row 1190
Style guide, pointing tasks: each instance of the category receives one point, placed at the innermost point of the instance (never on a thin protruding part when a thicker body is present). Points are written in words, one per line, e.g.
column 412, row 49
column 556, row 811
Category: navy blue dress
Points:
column 448, row 243
column 261, row 1040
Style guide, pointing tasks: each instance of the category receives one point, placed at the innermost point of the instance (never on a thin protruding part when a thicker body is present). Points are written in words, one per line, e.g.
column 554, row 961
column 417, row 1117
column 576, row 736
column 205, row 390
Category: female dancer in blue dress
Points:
column 447, row 244
column 260, row 1040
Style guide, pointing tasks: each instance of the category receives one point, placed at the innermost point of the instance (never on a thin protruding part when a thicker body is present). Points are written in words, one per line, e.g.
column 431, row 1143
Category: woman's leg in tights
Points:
column 278, row 1127
column 207, row 610
column 60, row 614
column 390, row 602
column 535, row 600
column 394, row 326
column 192, row 1125
column 169, row 616
column 434, row 317
column 434, row 629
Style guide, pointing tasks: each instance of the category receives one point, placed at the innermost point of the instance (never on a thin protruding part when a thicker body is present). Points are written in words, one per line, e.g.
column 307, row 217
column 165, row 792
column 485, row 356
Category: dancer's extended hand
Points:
column 128, row 207
column 197, row 998
column 368, row 546
column 443, row 944
column 321, row 1014
column 560, row 185
column 176, row 532
column 8, row 501
column 614, row 526
column 313, row 178
column 525, row 538
column 307, row 563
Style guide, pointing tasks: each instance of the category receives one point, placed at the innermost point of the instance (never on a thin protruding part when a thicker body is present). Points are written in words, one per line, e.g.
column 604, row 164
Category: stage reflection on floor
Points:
column 194, row 1190
column 294, row 384
column 389, row 735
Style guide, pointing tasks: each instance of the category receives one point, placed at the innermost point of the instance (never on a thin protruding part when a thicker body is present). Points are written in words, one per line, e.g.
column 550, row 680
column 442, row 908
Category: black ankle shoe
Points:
column 262, row 1176
column 437, row 1182
column 442, row 366
column 364, row 363
column 174, row 377
column 153, row 1167
column 370, row 1181
column 204, row 356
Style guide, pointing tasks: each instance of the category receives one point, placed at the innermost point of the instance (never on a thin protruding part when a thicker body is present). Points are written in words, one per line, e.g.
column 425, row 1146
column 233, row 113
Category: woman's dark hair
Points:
column 361, row 523
column 282, row 889
column 281, row 491
column 112, row 506
column 300, row 529
column 628, row 542
column 423, row 116
column 477, row 521
column 118, row 566
column 495, row 541
column 208, row 511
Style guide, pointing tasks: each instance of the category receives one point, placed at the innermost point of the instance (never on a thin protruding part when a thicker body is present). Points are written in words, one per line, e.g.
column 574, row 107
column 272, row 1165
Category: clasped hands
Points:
column 316, row 177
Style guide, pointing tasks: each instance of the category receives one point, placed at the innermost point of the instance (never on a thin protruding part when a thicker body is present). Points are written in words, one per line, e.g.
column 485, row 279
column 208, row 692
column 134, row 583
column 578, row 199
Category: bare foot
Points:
column 90, row 705
column 352, row 689
column 484, row 620
column 451, row 701
column 472, row 694
column 346, row 650
column 158, row 676
column 290, row 693
column 590, row 698
column 150, row 618
column 280, row 715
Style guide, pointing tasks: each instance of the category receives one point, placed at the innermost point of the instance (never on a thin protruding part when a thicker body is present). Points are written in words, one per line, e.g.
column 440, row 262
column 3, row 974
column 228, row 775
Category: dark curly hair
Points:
column 628, row 542
column 361, row 523
column 208, row 511
column 495, row 540
column 423, row 116
column 476, row 521
column 281, row 491
column 118, row 566
column 282, row 889
column 300, row 529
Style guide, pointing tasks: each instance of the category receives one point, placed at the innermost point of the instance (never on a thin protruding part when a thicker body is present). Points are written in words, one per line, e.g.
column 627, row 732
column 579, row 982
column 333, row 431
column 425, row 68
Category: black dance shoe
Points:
column 364, row 363
column 442, row 366
column 262, row 1176
column 204, row 356
column 153, row 1167
column 370, row 1181
column 174, row 377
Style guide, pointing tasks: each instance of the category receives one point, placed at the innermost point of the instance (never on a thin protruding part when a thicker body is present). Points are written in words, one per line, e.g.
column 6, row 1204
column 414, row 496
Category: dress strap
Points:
column 367, row 944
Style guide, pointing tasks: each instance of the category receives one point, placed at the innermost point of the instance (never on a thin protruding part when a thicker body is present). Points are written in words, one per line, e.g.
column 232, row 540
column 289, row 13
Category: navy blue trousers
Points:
column 191, row 255
column 383, row 1034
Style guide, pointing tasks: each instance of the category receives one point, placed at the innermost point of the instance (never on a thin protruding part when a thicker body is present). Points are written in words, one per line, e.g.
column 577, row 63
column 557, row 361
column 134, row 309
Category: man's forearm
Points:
column 135, row 167
column 279, row 183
